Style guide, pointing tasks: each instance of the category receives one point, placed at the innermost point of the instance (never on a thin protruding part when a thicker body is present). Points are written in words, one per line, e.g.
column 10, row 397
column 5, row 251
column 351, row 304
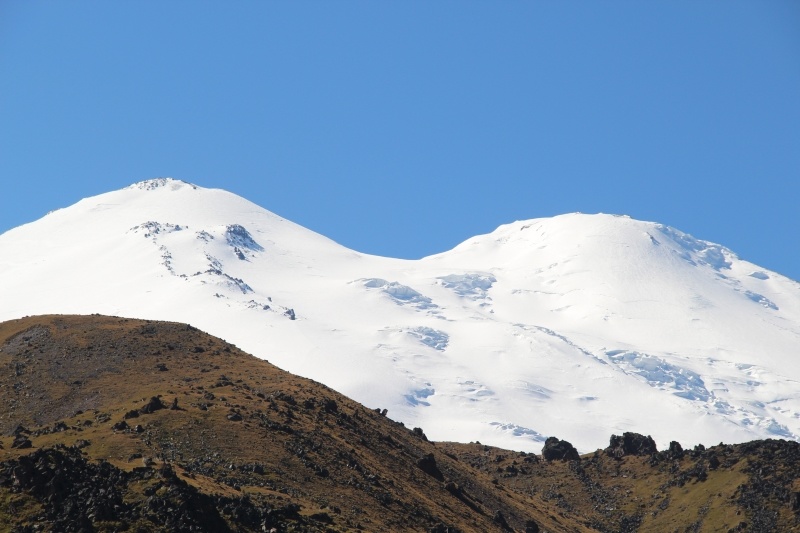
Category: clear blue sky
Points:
column 402, row 128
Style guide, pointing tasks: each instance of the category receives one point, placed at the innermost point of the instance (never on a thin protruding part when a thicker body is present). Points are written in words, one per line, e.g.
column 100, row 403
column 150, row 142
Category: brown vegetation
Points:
column 111, row 424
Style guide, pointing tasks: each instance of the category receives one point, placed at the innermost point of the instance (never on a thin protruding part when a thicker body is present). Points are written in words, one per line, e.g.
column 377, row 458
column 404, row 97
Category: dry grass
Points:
column 244, row 428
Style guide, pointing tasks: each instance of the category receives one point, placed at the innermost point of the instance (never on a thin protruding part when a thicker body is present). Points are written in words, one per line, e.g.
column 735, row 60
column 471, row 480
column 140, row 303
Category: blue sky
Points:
column 403, row 128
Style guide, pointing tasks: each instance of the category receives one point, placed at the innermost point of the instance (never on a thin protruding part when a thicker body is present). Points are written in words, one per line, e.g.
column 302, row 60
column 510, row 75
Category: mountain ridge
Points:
column 575, row 325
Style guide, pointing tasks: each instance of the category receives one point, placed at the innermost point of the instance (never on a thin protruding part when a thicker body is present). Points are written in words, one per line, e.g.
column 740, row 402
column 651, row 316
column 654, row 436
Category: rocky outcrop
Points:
column 428, row 465
column 152, row 406
column 559, row 450
column 75, row 495
column 631, row 444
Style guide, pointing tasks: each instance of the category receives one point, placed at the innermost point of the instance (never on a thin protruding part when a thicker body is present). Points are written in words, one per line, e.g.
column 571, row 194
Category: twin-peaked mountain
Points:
column 576, row 326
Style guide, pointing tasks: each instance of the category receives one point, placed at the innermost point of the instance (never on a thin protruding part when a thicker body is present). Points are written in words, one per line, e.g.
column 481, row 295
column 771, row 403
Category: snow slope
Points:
column 576, row 326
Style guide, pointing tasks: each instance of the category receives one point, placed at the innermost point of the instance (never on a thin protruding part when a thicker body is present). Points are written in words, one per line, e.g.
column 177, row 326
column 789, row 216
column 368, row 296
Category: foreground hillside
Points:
column 112, row 424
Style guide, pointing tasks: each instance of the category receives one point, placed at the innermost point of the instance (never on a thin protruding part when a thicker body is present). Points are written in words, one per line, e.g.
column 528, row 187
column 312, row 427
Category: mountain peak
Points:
column 571, row 326
column 592, row 239
column 160, row 183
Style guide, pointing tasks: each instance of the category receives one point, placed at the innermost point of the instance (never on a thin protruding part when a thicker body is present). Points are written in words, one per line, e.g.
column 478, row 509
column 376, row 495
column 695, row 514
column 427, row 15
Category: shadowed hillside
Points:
column 112, row 424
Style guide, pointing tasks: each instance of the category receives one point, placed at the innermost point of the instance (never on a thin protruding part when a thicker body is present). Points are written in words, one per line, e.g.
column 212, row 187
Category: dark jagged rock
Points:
column 238, row 237
column 452, row 488
column 631, row 444
column 713, row 461
column 428, row 465
column 794, row 501
column 559, row 450
column 329, row 405
column 76, row 494
column 69, row 488
column 675, row 450
column 698, row 451
column 21, row 442
column 152, row 406
column 501, row 521
column 419, row 433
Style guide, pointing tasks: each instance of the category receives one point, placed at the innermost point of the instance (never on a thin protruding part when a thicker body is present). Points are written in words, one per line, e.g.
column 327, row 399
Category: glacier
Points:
column 576, row 326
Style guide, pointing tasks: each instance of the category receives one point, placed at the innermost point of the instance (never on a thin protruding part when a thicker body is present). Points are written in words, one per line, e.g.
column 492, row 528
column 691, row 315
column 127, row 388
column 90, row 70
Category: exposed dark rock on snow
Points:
column 238, row 237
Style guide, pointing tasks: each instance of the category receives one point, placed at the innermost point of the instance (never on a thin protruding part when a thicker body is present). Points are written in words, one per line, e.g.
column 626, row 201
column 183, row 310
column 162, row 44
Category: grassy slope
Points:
column 296, row 442
column 250, row 436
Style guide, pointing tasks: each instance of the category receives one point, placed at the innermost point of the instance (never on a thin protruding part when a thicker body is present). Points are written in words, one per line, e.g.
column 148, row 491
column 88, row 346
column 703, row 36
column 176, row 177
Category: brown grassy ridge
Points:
column 249, row 447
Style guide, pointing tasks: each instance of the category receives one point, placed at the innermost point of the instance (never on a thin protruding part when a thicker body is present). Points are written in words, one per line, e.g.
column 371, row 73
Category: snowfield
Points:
column 576, row 326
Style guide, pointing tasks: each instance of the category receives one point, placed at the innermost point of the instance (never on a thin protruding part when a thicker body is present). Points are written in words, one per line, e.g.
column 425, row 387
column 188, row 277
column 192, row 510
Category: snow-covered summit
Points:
column 575, row 326
column 156, row 183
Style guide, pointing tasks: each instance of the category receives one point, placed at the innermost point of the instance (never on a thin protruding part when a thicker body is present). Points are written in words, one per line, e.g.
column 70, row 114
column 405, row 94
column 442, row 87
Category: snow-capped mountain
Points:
column 576, row 326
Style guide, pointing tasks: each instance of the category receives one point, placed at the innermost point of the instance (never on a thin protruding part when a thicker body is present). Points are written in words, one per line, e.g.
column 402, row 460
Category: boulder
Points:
column 631, row 444
column 153, row 405
column 500, row 520
column 675, row 450
column 428, row 465
column 21, row 442
column 559, row 450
